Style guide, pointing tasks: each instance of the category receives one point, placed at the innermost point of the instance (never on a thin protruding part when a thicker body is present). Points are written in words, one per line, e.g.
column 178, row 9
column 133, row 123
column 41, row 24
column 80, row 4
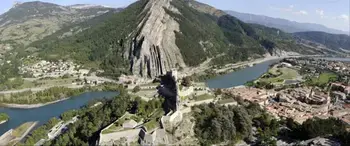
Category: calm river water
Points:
column 240, row 77
column 43, row 114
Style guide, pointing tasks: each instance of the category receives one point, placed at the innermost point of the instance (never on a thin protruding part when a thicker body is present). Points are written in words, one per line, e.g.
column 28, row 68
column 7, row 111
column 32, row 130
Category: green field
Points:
column 278, row 75
column 323, row 79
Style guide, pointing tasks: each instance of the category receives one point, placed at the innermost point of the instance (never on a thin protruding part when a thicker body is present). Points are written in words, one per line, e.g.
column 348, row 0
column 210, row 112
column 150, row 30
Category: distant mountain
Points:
column 283, row 24
column 31, row 21
column 336, row 42
column 150, row 37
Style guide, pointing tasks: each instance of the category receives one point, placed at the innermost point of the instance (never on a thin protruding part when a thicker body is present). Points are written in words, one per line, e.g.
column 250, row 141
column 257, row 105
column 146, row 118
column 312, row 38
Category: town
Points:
column 62, row 69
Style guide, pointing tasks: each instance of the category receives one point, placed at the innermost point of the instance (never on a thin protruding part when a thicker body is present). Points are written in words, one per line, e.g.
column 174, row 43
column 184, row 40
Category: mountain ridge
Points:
column 150, row 37
column 283, row 24
column 31, row 21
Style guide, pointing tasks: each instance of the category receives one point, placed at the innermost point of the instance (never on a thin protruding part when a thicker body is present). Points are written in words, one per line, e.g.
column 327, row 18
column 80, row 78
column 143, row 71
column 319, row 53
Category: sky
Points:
column 331, row 13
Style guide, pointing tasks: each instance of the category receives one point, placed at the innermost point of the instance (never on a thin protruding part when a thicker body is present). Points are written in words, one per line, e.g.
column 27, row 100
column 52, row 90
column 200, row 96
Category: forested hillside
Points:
column 102, row 42
column 122, row 43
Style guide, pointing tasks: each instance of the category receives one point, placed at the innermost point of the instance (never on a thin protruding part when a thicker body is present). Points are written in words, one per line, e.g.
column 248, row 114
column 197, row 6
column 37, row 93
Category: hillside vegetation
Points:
column 103, row 42
column 108, row 40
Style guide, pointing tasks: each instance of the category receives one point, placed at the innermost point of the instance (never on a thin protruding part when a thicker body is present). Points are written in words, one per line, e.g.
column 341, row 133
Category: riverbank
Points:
column 29, row 106
column 58, row 94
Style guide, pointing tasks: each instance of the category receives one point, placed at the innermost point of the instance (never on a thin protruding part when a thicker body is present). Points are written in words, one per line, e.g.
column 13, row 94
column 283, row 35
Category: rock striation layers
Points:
column 153, row 50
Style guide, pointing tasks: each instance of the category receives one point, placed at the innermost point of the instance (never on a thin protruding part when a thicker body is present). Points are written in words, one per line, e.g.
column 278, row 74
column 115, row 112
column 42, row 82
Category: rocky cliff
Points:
column 154, row 48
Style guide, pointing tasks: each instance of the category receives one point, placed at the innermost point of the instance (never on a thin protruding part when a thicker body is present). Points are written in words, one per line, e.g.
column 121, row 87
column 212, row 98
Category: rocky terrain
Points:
column 156, row 41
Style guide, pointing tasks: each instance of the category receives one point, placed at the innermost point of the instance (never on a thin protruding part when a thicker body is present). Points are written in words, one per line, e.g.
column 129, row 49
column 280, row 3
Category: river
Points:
column 240, row 77
column 43, row 114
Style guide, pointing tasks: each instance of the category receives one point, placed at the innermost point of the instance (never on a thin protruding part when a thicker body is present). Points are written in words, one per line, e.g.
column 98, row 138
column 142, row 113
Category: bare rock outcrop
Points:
column 153, row 50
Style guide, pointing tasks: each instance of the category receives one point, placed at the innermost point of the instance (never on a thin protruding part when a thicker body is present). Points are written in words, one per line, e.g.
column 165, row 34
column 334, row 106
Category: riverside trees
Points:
column 3, row 117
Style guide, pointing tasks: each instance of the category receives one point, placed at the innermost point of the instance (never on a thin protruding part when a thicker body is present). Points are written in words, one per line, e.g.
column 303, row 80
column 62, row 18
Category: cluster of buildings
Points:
column 52, row 69
column 62, row 69
column 336, row 66
column 299, row 104
column 304, row 103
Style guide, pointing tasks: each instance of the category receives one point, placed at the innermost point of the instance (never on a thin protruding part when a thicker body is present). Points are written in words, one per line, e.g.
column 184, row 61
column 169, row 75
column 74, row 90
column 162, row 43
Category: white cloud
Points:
column 344, row 17
column 301, row 12
column 320, row 12
column 290, row 9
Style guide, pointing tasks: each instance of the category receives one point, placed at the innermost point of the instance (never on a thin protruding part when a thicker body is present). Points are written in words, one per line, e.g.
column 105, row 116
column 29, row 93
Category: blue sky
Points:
column 331, row 13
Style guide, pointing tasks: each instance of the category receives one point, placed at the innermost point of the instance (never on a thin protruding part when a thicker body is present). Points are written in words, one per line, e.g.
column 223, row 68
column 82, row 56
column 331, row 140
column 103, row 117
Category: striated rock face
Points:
column 153, row 50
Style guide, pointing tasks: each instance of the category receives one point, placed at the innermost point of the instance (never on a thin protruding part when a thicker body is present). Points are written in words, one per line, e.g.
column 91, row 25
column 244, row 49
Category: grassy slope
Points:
column 281, row 75
column 324, row 78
